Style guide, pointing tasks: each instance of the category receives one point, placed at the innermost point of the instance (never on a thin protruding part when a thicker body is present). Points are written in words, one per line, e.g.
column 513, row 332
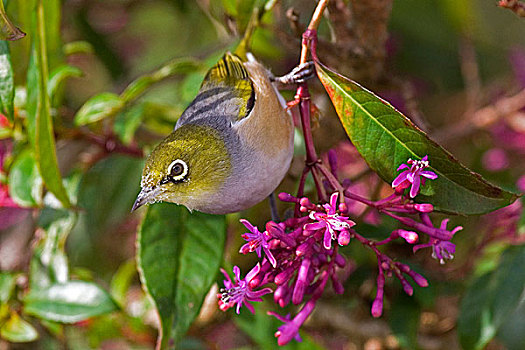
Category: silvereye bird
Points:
column 230, row 148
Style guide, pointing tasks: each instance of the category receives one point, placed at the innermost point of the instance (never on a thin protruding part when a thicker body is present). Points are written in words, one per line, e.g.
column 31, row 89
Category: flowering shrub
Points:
column 367, row 233
column 301, row 253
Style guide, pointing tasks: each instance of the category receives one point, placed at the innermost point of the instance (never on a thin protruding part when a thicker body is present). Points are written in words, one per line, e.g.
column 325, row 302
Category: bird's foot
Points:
column 298, row 75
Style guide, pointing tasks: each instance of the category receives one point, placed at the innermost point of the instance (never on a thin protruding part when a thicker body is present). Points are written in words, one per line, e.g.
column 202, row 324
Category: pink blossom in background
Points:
column 517, row 62
column 521, row 183
column 495, row 159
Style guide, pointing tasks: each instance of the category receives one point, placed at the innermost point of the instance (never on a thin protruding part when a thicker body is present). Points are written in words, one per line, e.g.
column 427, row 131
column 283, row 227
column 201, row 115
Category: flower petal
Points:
column 253, row 272
column 314, row 226
column 327, row 240
column 237, row 273
column 402, row 166
column 270, row 257
column 333, row 203
column 428, row 174
column 414, row 190
column 248, row 225
column 400, row 178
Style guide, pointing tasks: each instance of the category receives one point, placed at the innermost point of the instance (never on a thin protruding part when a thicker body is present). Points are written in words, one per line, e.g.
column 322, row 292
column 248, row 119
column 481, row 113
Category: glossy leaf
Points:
column 7, row 285
column 99, row 107
column 7, row 89
column 491, row 299
column 49, row 262
column 25, row 182
column 178, row 258
column 59, row 75
column 8, row 31
column 17, row 330
column 386, row 138
column 40, row 123
column 53, row 18
column 69, row 302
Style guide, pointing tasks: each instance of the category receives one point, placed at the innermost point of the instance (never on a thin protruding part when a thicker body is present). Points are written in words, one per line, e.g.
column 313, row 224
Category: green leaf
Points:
column 69, row 302
column 178, row 66
column 178, row 258
column 49, row 261
column 490, row 300
column 7, row 286
column 76, row 47
column 16, row 330
column 127, row 122
column 404, row 321
column 385, row 139
column 59, row 75
column 53, row 18
column 40, row 124
column 24, row 181
column 8, row 31
column 7, row 88
column 121, row 281
column 99, row 107
column 512, row 331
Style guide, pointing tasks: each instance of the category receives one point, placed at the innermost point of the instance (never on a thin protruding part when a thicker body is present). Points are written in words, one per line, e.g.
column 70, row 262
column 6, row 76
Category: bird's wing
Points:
column 226, row 94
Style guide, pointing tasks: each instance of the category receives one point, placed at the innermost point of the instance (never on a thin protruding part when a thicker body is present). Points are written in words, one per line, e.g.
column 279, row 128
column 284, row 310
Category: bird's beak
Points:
column 145, row 196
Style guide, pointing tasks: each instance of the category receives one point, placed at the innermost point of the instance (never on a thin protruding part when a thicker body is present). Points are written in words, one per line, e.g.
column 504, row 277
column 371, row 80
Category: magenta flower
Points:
column 412, row 176
column 240, row 292
column 441, row 250
column 290, row 329
column 331, row 221
column 257, row 242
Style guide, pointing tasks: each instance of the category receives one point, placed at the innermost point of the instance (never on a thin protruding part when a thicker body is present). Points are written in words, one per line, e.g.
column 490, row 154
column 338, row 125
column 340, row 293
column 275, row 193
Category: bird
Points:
column 231, row 147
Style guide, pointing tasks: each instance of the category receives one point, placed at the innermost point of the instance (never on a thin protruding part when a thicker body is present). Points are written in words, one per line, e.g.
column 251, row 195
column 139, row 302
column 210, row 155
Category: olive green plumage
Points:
column 230, row 148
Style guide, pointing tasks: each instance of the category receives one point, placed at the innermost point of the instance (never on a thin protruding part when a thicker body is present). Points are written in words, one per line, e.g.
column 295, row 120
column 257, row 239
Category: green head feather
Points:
column 204, row 167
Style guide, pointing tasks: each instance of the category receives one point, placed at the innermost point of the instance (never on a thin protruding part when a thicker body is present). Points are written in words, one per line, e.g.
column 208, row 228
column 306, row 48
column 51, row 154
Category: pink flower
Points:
column 257, row 242
column 240, row 292
column 290, row 329
column 441, row 250
column 412, row 175
column 331, row 221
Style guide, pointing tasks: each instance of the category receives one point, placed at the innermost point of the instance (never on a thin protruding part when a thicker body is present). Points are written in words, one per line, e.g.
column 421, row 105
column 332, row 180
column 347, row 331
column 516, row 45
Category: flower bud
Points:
column 305, row 202
column 343, row 238
column 337, row 286
column 286, row 197
column 377, row 307
column 424, row 207
column 283, row 276
column 302, row 249
column 340, row 260
column 407, row 287
column 409, row 236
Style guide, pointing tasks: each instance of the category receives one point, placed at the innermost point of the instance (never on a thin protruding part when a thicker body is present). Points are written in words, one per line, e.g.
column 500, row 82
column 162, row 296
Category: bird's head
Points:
column 189, row 165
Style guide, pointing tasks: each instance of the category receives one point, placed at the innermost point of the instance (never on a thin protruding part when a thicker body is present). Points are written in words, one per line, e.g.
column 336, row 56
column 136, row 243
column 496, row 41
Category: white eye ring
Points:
column 181, row 175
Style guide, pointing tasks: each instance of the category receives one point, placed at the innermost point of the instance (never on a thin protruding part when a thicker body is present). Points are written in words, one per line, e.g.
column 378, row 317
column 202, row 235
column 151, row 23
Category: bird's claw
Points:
column 298, row 75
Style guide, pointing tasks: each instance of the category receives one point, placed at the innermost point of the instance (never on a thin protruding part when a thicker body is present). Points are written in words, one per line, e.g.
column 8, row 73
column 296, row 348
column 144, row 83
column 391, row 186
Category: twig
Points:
column 484, row 117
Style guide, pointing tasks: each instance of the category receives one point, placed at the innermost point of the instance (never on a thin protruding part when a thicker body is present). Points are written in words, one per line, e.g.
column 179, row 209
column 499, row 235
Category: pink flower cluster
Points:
column 301, row 255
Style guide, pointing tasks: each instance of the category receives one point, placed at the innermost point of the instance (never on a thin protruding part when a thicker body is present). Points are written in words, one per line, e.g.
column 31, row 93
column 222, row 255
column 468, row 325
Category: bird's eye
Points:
column 177, row 170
